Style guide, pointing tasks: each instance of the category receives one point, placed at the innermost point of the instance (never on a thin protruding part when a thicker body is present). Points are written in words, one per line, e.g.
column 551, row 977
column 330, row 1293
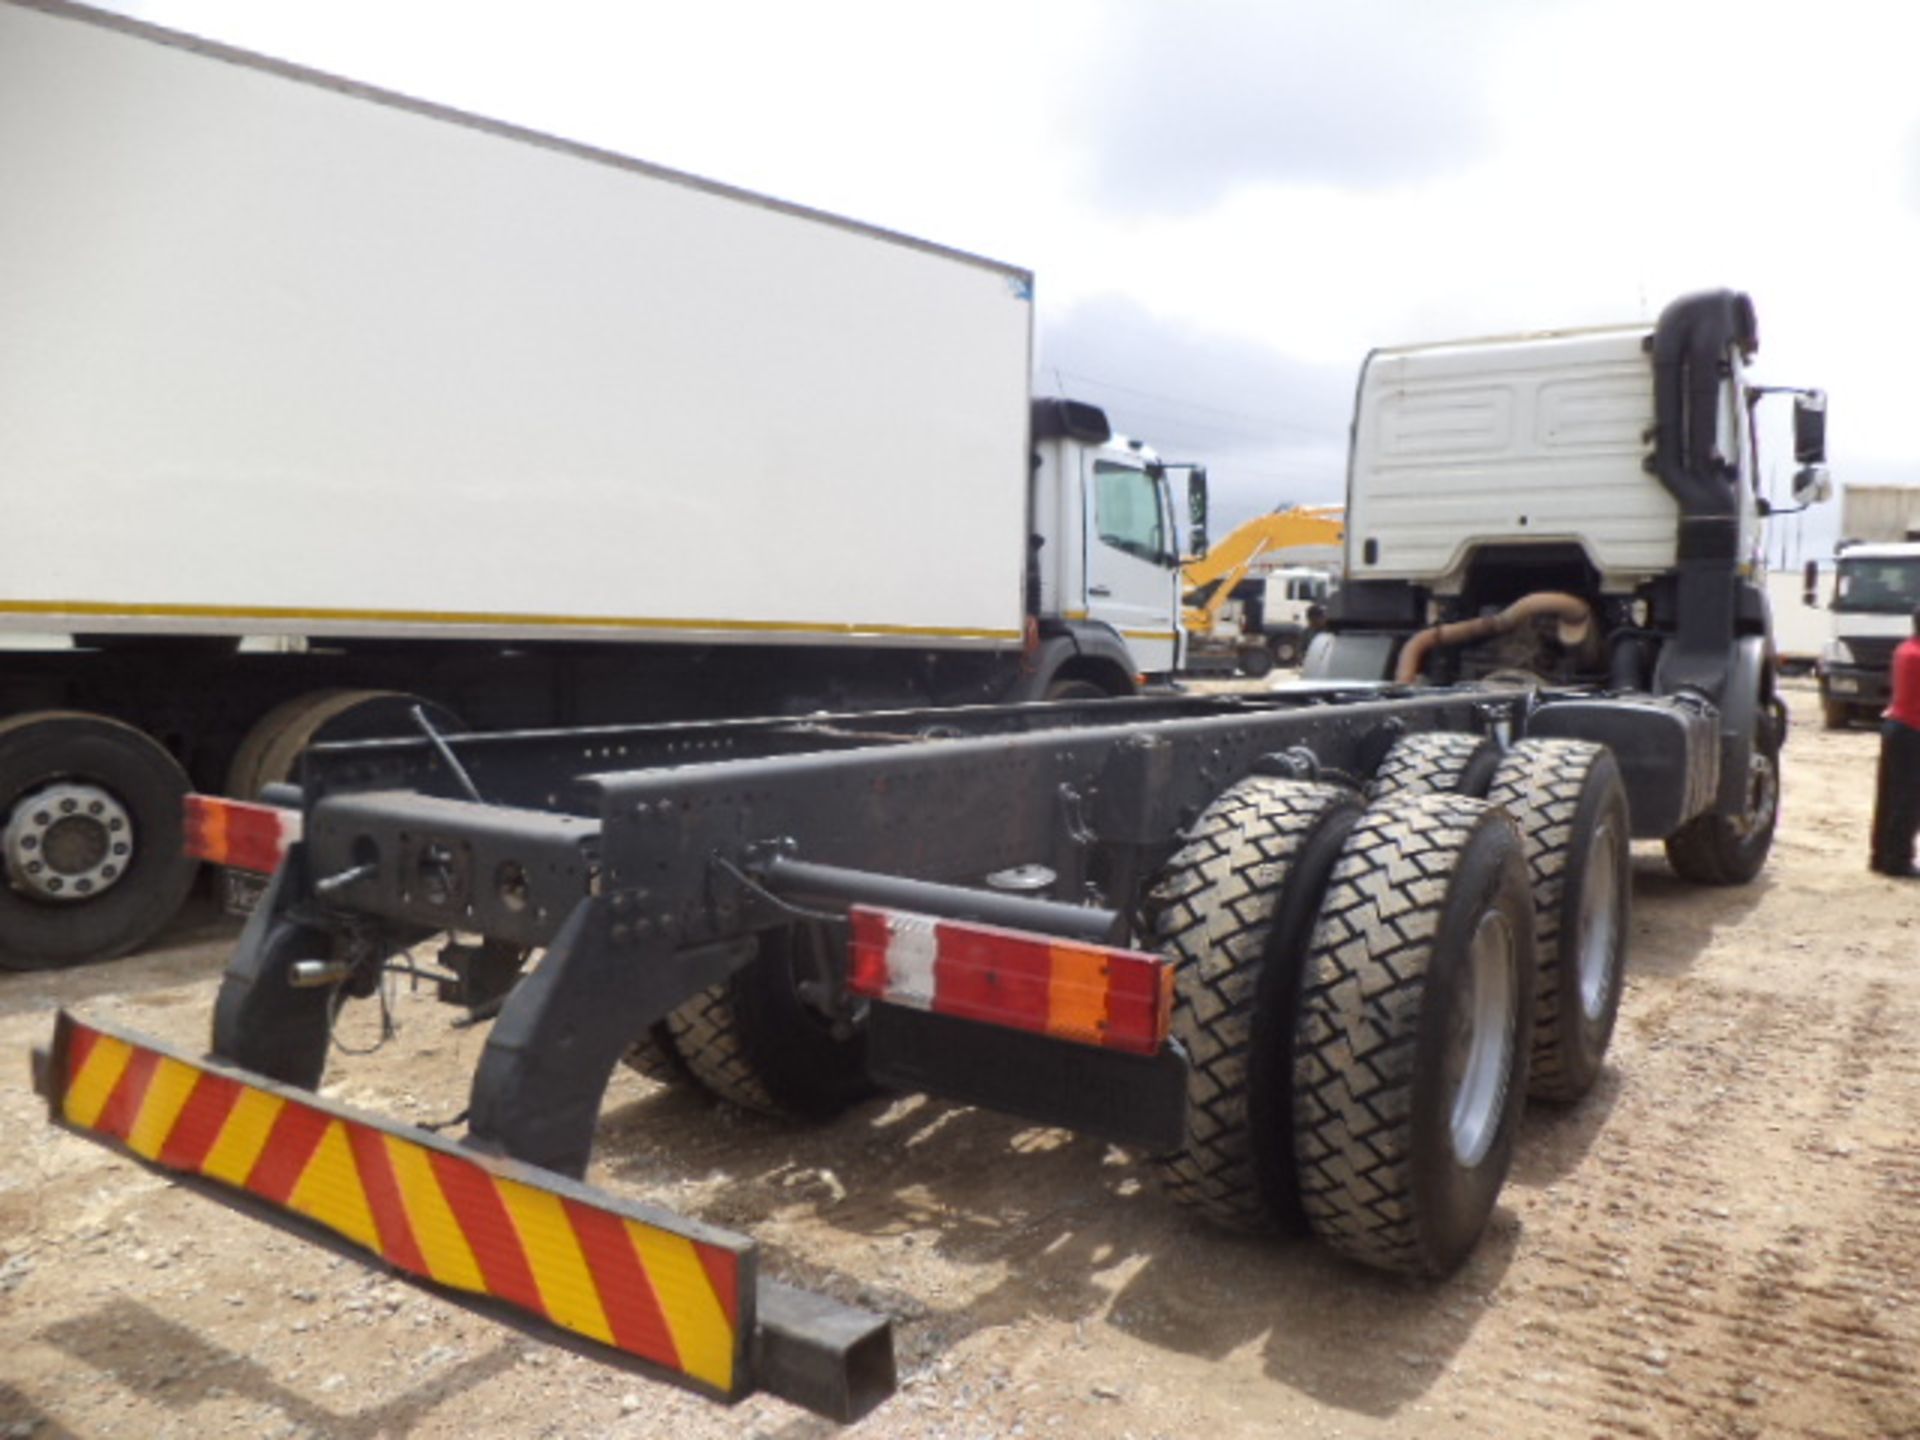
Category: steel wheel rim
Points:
column 1480, row 1050
column 1598, row 933
column 67, row 842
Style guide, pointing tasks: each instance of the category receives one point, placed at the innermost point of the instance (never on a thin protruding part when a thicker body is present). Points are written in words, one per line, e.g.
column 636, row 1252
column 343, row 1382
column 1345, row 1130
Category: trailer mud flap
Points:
column 1128, row 1099
column 677, row 1294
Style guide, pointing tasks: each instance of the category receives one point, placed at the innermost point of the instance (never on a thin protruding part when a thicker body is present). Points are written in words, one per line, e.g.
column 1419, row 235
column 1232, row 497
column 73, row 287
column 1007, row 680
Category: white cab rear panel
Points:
column 1538, row 438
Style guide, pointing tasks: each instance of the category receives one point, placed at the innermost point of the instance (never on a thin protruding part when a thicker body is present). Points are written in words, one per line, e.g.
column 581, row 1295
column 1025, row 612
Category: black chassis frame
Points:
column 647, row 859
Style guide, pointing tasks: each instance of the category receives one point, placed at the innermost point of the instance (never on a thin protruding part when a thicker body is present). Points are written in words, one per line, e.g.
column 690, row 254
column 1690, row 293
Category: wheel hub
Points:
column 67, row 842
column 1763, row 783
column 1598, row 933
column 1480, row 1045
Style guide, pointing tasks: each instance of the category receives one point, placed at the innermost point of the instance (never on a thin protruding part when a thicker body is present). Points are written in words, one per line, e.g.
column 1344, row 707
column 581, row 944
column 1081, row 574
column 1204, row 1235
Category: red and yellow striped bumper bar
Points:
column 669, row 1290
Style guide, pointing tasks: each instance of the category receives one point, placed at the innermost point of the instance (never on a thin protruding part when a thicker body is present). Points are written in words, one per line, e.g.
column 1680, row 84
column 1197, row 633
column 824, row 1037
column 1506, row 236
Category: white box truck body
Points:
column 463, row 414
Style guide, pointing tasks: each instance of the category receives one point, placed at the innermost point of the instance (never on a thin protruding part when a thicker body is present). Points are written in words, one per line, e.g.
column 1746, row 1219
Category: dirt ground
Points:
column 1723, row 1240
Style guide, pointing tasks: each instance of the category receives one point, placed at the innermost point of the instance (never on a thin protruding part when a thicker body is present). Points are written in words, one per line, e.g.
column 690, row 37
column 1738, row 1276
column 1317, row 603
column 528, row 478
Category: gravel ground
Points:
column 1720, row 1241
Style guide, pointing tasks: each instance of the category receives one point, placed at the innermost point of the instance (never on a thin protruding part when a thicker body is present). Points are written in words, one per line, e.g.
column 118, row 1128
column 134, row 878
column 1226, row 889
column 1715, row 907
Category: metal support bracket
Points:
column 537, row 1090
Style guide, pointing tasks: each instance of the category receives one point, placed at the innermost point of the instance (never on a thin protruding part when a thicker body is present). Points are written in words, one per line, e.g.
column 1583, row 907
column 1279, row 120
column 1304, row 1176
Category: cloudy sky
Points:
column 1227, row 203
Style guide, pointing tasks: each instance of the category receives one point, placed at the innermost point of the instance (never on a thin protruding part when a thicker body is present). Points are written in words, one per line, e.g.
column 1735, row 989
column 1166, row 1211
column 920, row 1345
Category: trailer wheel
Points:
column 1233, row 909
column 1410, row 1059
column 271, row 749
column 1565, row 796
column 1716, row 849
column 91, row 859
column 753, row 1041
column 1436, row 762
column 1256, row 662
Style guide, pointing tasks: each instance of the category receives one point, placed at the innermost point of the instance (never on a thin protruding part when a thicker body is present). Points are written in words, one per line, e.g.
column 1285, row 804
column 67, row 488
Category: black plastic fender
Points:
column 1747, row 689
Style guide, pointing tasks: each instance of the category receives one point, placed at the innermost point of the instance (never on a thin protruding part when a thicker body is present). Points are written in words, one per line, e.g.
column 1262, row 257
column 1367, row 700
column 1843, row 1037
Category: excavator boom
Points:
column 1208, row 581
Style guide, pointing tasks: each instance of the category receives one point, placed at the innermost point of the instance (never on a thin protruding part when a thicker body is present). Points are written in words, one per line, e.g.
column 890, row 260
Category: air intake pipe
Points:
column 1690, row 346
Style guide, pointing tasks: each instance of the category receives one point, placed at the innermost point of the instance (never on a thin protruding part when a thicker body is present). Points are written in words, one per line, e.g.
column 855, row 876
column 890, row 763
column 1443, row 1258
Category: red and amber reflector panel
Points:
column 1090, row 994
column 667, row 1289
column 239, row 834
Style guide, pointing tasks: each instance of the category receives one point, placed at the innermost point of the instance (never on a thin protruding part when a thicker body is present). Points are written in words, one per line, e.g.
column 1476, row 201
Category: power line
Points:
column 1264, row 421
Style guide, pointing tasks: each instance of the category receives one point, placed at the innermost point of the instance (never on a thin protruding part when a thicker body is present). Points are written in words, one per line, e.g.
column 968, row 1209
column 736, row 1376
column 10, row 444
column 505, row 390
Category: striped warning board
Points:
column 669, row 1290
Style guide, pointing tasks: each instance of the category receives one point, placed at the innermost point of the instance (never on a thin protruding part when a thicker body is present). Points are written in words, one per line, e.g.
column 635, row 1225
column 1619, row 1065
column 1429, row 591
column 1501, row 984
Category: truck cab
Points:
column 1105, row 556
column 1584, row 507
column 1876, row 589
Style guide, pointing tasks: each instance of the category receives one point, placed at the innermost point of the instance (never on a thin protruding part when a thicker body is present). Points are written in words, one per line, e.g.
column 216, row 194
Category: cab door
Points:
column 1132, row 568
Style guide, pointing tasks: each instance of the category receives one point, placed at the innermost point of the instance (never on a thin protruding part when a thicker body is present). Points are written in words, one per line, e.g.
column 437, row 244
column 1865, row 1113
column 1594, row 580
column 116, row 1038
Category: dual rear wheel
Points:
column 1367, row 988
column 1364, row 992
column 91, row 864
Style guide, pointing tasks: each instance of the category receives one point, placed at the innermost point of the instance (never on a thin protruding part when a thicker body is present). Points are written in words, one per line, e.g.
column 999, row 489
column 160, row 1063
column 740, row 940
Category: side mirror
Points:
column 1812, row 485
column 1810, row 584
column 1197, row 511
column 1810, row 428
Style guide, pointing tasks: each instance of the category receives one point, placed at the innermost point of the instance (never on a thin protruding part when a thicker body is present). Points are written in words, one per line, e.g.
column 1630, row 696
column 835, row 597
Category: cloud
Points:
column 1180, row 105
column 1271, row 430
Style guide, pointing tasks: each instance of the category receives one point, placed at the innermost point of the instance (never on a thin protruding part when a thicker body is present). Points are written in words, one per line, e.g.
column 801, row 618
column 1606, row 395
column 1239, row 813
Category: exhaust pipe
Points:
column 1574, row 614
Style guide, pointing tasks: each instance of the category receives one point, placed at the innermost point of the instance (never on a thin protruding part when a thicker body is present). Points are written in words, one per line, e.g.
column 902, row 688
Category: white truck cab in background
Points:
column 1870, row 604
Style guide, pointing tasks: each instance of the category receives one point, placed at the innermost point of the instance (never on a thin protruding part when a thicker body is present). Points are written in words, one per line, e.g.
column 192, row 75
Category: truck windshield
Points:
column 1886, row 586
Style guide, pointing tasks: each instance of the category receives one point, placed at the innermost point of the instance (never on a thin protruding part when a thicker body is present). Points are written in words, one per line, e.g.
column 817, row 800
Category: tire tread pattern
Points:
column 1539, row 784
column 707, row 1035
column 1362, row 993
column 1432, row 762
column 1212, row 912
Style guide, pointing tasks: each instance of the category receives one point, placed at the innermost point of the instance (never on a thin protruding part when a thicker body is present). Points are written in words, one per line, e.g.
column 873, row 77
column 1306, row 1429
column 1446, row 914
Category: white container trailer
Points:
column 470, row 416
column 1879, row 514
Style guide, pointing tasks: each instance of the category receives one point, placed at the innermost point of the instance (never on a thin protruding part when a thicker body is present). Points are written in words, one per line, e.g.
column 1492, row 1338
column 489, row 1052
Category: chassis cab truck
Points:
column 1308, row 953
column 1584, row 508
column 322, row 408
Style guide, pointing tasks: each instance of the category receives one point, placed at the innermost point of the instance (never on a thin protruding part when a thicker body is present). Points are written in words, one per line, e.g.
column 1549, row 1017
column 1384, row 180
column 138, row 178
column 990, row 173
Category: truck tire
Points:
column 1566, row 798
column 1716, row 849
column 753, row 1042
column 1438, row 762
column 271, row 750
column 1286, row 649
column 655, row 1056
column 91, row 858
column 1410, row 1057
column 1233, row 909
column 1256, row 661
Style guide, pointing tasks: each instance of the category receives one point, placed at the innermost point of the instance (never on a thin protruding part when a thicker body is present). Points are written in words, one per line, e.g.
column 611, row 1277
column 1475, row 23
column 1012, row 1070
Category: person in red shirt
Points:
column 1896, row 804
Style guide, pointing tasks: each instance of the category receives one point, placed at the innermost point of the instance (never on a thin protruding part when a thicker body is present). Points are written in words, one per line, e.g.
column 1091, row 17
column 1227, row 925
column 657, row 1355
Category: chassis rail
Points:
column 649, row 863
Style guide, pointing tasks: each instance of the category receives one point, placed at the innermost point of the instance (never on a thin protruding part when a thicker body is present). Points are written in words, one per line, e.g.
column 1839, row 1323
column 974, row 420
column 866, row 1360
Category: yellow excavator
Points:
column 1290, row 549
